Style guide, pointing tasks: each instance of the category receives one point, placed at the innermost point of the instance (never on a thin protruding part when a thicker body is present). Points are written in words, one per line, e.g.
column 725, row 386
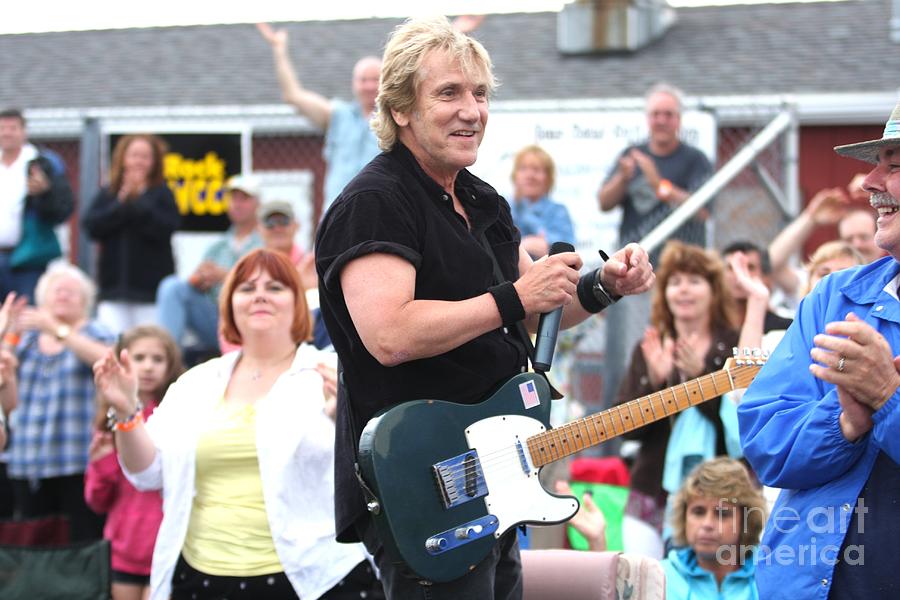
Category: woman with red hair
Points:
column 243, row 454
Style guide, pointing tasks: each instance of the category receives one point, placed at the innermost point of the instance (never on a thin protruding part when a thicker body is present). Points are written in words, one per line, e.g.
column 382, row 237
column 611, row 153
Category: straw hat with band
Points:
column 868, row 151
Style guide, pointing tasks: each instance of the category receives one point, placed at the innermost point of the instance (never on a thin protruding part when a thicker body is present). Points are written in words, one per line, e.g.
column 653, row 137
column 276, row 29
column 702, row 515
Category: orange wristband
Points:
column 664, row 189
column 11, row 338
column 130, row 423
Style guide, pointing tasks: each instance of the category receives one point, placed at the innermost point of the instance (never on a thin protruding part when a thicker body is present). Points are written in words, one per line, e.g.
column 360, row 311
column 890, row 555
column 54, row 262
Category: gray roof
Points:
column 833, row 47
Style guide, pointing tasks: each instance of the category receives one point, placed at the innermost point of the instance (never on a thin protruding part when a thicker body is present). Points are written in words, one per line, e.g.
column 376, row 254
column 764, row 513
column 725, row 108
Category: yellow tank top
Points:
column 229, row 532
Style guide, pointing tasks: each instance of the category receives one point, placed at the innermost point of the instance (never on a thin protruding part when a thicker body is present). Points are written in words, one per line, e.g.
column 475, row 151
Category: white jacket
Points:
column 295, row 446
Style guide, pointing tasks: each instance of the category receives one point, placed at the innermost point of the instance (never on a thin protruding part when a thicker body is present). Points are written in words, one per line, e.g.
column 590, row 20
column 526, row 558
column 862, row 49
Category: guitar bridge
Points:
column 459, row 479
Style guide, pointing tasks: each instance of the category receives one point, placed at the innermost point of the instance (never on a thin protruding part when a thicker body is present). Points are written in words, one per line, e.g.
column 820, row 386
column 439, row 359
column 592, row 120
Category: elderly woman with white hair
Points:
column 53, row 420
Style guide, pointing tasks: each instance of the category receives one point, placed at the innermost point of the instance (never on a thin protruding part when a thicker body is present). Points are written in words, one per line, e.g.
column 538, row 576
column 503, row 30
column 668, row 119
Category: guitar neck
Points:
column 589, row 431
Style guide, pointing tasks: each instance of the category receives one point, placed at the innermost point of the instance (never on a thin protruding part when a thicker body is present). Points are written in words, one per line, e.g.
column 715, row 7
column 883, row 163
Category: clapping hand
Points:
column 647, row 166
column 134, row 184
column 627, row 166
column 9, row 312
column 659, row 354
column 687, row 360
column 854, row 356
column 36, row 319
column 9, row 365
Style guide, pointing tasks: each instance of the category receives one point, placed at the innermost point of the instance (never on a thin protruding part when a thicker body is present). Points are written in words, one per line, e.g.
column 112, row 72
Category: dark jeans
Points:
column 20, row 281
column 58, row 496
column 497, row 577
column 190, row 584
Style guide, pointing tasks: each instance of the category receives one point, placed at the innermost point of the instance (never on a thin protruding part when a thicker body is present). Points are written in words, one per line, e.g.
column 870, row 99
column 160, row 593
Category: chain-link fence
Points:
column 749, row 208
column 745, row 209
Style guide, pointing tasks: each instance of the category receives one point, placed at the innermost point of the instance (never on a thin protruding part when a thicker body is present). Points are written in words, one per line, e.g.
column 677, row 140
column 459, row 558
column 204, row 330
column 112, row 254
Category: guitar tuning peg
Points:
column 757, row 352
column 746, row 351
column 735, row 352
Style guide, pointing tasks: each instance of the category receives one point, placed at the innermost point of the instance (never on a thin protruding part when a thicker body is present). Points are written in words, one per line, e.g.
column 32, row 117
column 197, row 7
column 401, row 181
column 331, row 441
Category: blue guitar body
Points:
column 450, row 479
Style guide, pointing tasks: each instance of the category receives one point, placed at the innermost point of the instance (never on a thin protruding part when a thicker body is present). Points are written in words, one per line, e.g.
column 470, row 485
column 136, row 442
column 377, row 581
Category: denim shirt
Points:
column 792, row 438
column 543, row 217
column 349, row 145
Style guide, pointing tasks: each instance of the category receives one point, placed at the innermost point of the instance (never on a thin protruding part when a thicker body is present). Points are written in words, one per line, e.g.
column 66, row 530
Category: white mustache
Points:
column 882, row 199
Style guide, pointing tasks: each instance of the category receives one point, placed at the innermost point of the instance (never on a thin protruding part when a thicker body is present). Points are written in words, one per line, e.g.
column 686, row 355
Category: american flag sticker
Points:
column 529, row 394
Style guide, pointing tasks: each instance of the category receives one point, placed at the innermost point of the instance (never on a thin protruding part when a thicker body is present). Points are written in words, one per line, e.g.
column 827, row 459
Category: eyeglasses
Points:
column 276, row 220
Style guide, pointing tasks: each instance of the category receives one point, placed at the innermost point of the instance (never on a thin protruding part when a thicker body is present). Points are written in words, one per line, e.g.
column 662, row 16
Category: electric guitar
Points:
column 446, row 480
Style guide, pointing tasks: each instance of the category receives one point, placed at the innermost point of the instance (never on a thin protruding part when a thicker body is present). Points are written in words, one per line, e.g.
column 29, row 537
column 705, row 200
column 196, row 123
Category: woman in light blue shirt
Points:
column 717, row 517
column 540, row 220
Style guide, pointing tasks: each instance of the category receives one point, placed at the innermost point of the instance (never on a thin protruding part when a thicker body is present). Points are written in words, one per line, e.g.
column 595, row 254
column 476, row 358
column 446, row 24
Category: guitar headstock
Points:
column 745, row 364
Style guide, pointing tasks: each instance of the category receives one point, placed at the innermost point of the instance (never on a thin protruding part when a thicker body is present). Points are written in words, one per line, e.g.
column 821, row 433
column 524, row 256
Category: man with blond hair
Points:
column 406, row 263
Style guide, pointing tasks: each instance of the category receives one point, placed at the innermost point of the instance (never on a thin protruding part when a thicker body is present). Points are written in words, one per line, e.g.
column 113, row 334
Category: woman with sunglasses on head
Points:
column 244, row 455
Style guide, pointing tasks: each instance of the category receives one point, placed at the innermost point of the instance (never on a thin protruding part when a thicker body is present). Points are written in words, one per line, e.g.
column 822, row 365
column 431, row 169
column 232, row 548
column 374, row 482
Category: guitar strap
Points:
column 343, row 396
column 524, row 337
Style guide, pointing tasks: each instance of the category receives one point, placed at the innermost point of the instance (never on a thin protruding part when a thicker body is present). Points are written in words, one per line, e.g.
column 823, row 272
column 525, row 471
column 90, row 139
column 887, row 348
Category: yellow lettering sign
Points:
column 197, row 184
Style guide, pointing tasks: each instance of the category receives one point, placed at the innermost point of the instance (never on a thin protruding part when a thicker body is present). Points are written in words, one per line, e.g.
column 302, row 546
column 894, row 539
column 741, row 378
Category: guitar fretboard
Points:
column 570, row 438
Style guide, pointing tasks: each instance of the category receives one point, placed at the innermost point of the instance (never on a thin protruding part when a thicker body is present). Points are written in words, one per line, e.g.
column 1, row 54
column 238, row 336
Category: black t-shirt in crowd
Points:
column 686, row 167
column 393, row 207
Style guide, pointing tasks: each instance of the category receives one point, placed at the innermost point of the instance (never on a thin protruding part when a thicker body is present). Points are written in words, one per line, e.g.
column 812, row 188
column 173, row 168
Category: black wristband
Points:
column 586, row 296
column 508, row 302
column 591, row 294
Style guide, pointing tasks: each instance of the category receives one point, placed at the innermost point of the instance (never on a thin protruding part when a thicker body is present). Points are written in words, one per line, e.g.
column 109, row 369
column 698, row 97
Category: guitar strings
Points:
column 565, row 446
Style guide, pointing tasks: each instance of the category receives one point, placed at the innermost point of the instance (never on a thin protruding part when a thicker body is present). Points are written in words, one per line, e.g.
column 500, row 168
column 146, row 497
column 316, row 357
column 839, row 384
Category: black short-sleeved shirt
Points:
column 393, row 207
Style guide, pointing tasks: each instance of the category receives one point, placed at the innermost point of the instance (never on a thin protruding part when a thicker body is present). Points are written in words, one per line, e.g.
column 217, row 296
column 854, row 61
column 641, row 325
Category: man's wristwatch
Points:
column 601, row 294
column 62, row 332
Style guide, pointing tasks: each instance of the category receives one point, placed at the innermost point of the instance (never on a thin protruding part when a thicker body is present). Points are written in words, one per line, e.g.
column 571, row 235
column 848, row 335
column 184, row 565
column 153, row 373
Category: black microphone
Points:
column 548, row 326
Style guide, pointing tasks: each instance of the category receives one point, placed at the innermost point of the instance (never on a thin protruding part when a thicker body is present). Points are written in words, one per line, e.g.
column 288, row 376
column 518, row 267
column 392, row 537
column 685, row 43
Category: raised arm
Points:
column 311, row 105
column 626, row 273
column 752, row 329
column 825, row 208
column 396, row 328
column 87, row 349
column 116, row 385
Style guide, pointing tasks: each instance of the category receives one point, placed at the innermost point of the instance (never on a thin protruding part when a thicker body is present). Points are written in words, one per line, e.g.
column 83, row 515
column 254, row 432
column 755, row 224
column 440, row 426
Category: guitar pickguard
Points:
column 514, row 495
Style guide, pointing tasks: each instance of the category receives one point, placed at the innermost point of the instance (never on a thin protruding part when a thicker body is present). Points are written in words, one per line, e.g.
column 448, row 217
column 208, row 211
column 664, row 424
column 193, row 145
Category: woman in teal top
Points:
column 717, row 517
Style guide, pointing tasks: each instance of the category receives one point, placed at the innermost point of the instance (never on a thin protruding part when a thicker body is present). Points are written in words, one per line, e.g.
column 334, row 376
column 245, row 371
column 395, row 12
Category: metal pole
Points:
column 717, row 182
column 791, row 151
column 89, row 179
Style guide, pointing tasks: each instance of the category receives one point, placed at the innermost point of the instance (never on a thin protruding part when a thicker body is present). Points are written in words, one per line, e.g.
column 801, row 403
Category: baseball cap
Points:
column 249, row 184
column 275, row 207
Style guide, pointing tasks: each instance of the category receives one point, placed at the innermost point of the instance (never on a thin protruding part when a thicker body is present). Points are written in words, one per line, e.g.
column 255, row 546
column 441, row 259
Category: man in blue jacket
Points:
column 822, row 419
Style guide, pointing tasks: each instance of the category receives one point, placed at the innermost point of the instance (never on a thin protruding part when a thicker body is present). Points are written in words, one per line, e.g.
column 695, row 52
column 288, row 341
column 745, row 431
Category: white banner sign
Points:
column 584, row 145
